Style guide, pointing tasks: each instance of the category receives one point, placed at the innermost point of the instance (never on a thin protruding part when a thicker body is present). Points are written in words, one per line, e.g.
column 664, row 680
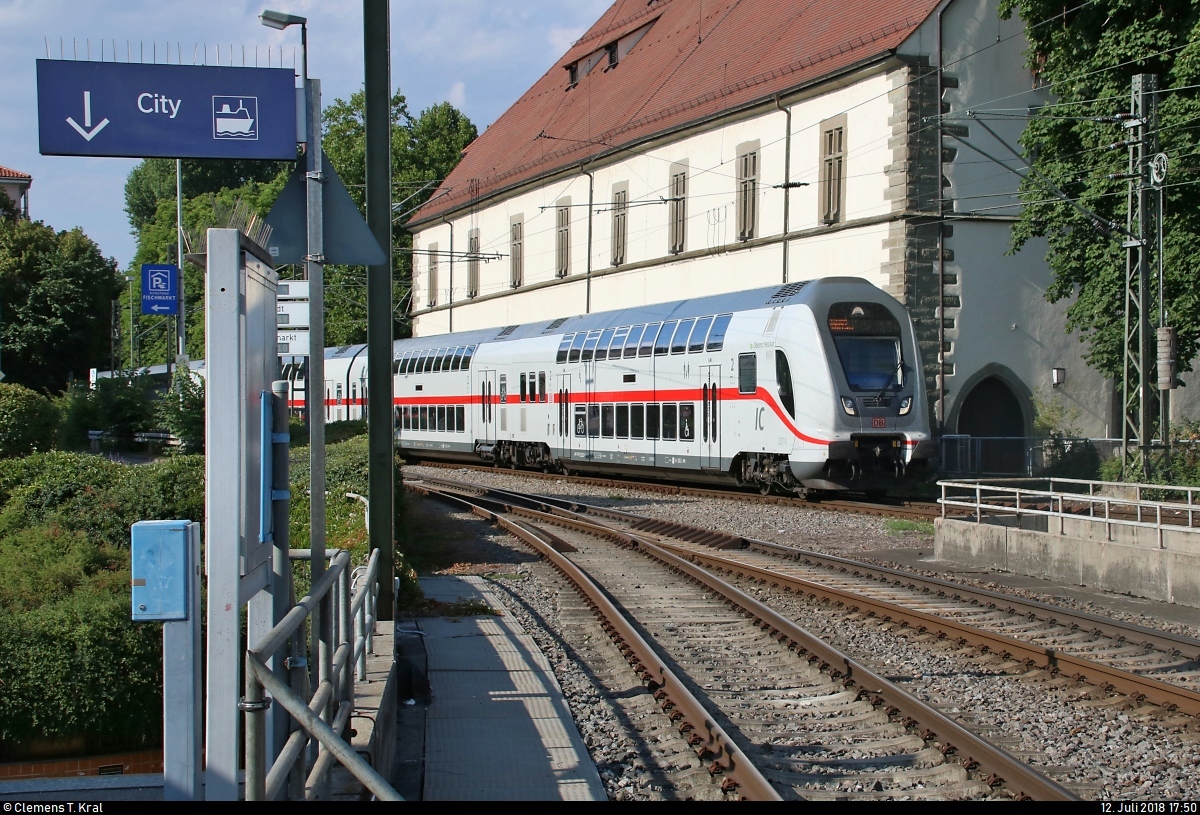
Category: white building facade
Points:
column 836, row 164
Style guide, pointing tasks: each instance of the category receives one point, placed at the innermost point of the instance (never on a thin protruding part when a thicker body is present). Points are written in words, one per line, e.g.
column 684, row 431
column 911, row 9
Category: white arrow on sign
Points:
column 87, row 119
column 157, row 307
column 1, row 376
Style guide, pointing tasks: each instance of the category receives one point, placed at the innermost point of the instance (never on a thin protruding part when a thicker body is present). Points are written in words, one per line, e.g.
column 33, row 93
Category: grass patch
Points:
column 898, row 526
column 615, row 497
column 459, row 608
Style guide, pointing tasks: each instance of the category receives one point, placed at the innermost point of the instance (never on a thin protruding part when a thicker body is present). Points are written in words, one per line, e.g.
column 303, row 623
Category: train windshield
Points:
column 867, row 338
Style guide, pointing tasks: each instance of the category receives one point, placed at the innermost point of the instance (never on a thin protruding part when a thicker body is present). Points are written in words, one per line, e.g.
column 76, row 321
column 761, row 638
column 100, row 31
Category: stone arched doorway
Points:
column 992, row 413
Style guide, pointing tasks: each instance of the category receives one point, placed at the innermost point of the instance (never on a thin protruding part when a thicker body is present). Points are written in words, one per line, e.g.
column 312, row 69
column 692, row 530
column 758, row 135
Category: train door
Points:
column 487, row 406
column 563, row 400
column 583, row 424
column 710, row 417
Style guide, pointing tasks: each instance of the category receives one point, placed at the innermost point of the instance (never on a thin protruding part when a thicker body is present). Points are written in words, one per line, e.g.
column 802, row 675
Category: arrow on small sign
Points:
column 87, row 119
column 1, row 376
column 157, row 307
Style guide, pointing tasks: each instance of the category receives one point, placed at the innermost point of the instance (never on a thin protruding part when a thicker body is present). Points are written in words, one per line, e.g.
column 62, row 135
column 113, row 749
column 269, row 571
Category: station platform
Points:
column 489, row 721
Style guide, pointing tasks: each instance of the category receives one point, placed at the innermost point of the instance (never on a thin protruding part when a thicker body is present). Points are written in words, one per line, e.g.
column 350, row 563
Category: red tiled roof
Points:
column 13, row 174
column 686, row 68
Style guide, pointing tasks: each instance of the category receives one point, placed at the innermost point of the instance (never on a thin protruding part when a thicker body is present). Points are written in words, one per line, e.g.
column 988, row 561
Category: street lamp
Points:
column 132, row 335
column 279, row 21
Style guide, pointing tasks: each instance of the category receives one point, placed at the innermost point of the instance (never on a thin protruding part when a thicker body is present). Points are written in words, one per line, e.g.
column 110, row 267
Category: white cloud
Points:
column 457, row 95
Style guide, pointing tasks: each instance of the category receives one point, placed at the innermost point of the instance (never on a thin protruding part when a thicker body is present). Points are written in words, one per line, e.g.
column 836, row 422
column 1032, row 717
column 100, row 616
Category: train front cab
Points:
column 881, row 434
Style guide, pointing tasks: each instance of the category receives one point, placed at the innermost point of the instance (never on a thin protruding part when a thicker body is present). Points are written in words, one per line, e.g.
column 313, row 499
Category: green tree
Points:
column 424, row 151
column 27, row 421
column 153, row 181
column 8, row 209
column 56, row 291
column 1088, row 54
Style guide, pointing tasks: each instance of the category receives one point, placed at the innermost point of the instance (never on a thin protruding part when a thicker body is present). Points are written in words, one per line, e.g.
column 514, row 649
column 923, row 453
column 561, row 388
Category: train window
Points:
column 450, row 419
column 783, row 375
column 446, row 360
column 457, row 361
column 664, row 338
column 622, row 421
column 395, row 366
column 467, row 357
column 438, row 356
column 867, row 338
column 429, row 358
column 647, row 346
column 581, row 420
column 679, row 344
column 608, row 424
column 670, row 415
column 424, row 418
column 716, row 336
column 652, row 414
column 541, row 386
column 415, row 368
column 523, row 387
column 593, row 420
column 618, row 342
column 504, row 389
column 576, row 347
column 631, row 344
column 605, row 340
column 687, row 421
column 637, row 421
column 441, row 418
column 410, row 359
column 589, row 349
column 747, row 373
column 460, row 418
column 563, row 347
column 402, row 419
column 402, row 364
column 696, row 345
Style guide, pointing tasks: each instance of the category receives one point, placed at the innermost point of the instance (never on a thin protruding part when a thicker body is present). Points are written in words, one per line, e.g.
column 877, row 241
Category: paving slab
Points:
column 497, row 726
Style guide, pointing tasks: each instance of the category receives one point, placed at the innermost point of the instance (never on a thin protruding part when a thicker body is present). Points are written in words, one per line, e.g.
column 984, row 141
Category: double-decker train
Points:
column 808, row 386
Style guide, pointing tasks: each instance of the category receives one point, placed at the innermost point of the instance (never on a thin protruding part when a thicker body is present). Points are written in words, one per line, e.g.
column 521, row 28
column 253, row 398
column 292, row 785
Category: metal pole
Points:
column 181, row 318
column 281, row 564
column 380, row 416
column 132, row 335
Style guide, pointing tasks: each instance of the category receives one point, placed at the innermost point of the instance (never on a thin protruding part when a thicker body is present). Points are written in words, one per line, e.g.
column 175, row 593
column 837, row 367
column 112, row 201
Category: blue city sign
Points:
column 166, row 111
column 160, row 288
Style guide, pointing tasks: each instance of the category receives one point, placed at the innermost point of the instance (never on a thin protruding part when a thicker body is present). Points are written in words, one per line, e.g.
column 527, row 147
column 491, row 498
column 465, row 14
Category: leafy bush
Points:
column 98, row 497
column 181, row 411
column 27, row 421
column 118, row 406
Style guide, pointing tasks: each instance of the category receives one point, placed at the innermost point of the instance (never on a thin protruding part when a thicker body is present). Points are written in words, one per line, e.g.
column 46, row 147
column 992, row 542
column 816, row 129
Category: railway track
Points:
column 884, row 507
column 776, row 711
column 1142, row 663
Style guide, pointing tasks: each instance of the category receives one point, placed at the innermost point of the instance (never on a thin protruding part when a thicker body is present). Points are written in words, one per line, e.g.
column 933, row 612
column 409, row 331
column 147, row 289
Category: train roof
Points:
column 769, row 296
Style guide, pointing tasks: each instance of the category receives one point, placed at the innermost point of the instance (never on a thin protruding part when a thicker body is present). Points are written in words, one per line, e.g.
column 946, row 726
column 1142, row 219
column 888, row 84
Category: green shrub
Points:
column 118, row 406
column 181, row 411
column 98, row 497
column 27, row 421
column 72, row 663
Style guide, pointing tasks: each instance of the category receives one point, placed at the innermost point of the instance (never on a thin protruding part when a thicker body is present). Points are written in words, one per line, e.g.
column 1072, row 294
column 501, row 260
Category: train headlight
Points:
column 848, row 406
column 905, row 405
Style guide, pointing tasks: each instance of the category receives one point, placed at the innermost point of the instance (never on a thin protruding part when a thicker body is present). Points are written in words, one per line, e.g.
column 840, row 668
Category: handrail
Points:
column 347, row 598
column 986, row 495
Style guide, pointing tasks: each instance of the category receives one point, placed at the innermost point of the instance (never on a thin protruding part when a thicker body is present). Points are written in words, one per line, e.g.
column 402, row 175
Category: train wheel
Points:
column 764, row 487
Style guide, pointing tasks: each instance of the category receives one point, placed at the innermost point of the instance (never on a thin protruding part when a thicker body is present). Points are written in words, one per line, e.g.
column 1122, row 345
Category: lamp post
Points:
column 132, row 335
column 314, row 396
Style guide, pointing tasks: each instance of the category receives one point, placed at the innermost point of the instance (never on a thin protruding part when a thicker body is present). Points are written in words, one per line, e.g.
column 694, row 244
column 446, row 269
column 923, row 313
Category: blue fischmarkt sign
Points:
column 160, row 288
column 165, row 111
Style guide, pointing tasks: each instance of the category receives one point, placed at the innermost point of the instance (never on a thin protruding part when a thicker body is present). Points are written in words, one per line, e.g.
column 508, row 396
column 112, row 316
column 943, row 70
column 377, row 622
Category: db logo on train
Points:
column 878, row 421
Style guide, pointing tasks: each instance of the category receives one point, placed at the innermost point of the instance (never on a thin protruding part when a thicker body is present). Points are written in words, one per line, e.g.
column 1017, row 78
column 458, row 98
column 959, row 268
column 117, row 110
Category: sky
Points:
column 479, row 55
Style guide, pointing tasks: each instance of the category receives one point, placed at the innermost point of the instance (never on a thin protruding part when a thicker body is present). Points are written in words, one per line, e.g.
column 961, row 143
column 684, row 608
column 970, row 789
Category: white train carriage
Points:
column 810, row 386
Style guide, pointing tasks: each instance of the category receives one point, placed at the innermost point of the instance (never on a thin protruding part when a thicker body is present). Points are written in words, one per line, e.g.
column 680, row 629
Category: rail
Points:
column 347, row 599
column 1076, row 499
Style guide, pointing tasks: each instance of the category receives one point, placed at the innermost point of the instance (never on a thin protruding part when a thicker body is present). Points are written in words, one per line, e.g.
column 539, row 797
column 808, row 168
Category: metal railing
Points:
column 1077, row 499
column 346, row 598
column 1013, row 455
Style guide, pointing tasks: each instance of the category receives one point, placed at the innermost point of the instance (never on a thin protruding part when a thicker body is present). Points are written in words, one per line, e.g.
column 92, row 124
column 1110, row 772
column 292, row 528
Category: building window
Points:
column 613, row 57
column 677, row 209
column 620, row 230
column 572, row 75
column 432, row 289
column 562, row 246
column 473, row 263
column 516, row 252
column 832, row 185
column 747, row 196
